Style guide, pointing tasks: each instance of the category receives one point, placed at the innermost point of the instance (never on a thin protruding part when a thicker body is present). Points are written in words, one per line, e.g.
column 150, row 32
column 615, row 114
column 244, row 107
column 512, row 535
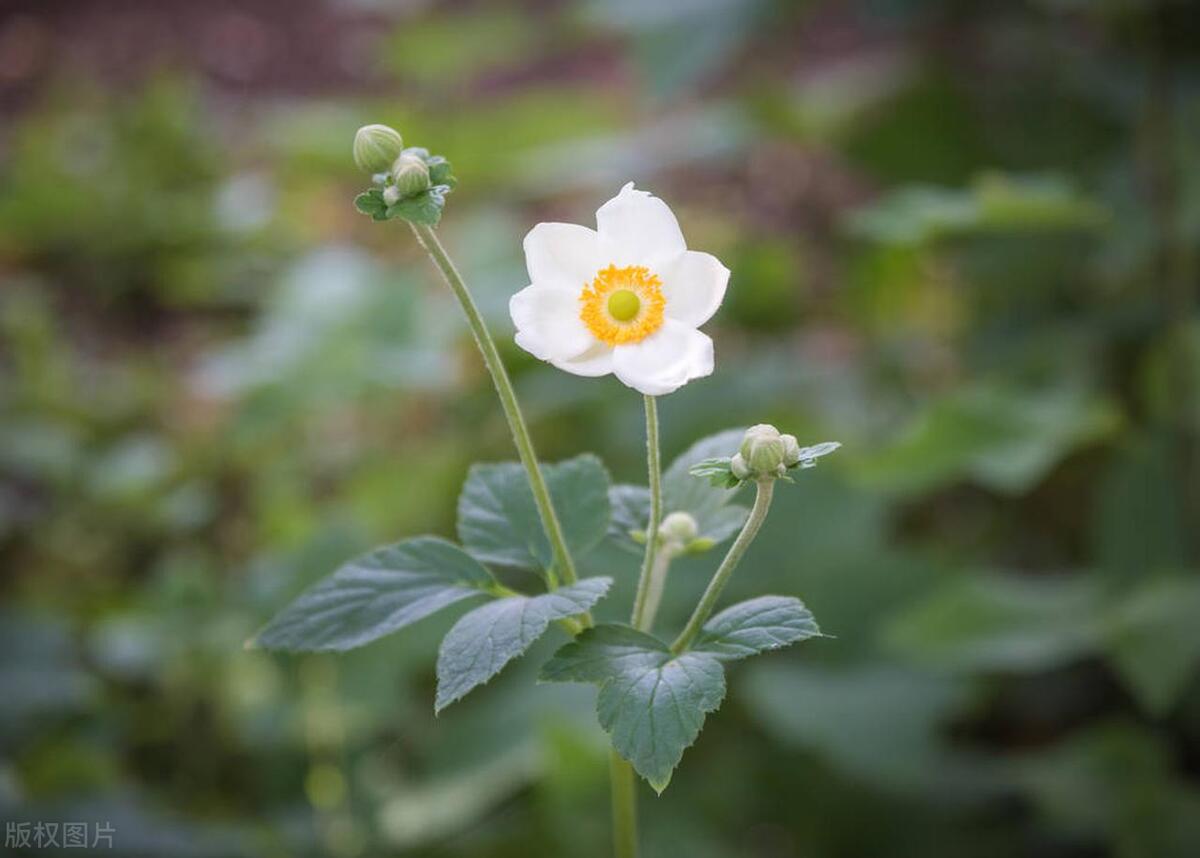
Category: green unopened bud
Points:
column 410, row 174
column 791, row 450
column 699, row 546
column 738, row 467
column 376, row 147
column 679, row 527
column 763, row 449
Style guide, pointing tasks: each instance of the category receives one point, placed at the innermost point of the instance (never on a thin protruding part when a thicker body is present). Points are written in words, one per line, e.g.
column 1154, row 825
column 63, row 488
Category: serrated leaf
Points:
column 717, row 471
column 651, row 702
column 483, row 641
column 371, row 202
column 809, row 455
column 757, row 625
column 375, row 595
column 440, row 172
column 630, row 514
column 498, row 521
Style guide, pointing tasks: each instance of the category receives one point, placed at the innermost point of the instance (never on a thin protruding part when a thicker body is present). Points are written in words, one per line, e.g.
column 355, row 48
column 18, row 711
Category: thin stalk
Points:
column 704, row 608
column 563, row 563
column 658, row 582
column 645, row 606
column 654, row 471
column 624, row 803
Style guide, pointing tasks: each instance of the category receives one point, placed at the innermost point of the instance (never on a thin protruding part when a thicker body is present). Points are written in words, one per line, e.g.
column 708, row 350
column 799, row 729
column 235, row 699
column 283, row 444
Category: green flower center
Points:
column 624, row 304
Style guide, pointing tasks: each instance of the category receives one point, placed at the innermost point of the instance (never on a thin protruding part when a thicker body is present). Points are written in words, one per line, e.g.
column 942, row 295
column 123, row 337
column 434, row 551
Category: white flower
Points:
column 624, row 298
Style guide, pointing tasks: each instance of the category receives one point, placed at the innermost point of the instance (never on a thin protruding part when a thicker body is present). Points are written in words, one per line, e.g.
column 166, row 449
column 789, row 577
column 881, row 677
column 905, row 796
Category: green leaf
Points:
column 1002, row 622
column 630, row 516
column 498, row 520
column 880, row 725
column 440, row 172
column 1004, row 437
column 485, row 640
column 651, row 702
column 808, row 455
column 371, row 203
column 424, row 208
column 376, row 594
column 717, row 471
column 757, row 625
column 1154, row 641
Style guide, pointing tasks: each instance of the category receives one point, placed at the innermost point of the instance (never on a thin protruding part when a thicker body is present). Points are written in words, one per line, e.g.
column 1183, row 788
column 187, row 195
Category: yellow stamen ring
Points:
column 622, row 305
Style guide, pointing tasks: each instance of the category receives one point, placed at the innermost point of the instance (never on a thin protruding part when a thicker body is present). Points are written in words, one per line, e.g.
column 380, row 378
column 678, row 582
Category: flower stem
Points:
column 639, row 620
column 624, row 804
column 563, row 564
column 645, row 606
column 658, row 582
column 704, row 608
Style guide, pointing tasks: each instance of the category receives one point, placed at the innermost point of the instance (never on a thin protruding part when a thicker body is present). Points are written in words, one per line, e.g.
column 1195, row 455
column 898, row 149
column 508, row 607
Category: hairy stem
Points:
column 704, row 608
column 645, row 606
column 564, row 566
column 624, row 802
column 658, row 582
column 653, row 468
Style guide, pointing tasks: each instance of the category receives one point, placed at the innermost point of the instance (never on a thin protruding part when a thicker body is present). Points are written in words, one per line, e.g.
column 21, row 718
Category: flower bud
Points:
column 391, row 195
column 679, row 527
column 738, row 467
column 410, row 174
column 791, row 450
column 376, row 147
column 763, row 449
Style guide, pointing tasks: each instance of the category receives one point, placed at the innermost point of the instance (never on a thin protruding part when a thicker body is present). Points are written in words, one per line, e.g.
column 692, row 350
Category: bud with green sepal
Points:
column 410, row 174
column 764, row 454
column 679, row 534
column 411, row 184
column 376, row 147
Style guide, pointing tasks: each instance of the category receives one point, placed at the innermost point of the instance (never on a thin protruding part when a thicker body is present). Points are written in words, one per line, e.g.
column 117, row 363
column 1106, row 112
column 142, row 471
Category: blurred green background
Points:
column 963, row 239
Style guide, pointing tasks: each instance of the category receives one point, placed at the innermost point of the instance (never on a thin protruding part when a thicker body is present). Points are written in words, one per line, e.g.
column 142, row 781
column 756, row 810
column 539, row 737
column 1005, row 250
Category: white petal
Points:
column 638, row 229
column 694, row 286
column 664, row 361
column 562, row 255
column 598, row 360
column 548, row 323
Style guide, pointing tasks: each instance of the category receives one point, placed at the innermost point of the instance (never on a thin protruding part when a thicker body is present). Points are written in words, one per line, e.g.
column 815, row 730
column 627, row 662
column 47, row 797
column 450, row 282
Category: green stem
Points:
column 704, row 608
column 624, row 806
column 508, row 400
column 658, row 582
column 639, row 619
column 645, row 606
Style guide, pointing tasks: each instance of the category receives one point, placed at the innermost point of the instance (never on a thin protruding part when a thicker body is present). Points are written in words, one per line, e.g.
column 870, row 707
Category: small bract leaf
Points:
column 376, row 594
column 489, row 637
column 371, row 203
column 717, row 471
column 498, row 521
column 440, row 172
column 757, row 625
column 424, row 208
column 651, row 702
column 808, row 455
